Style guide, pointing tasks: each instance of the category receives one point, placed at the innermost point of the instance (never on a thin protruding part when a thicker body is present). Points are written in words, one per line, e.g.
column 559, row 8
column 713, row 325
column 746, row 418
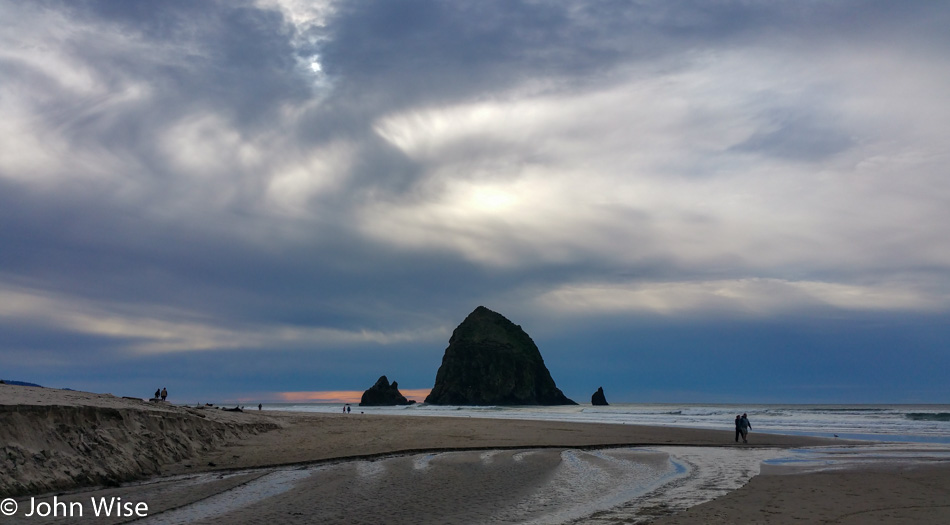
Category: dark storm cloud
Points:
column 399, row 53
column 230, row 56
column 426, row 48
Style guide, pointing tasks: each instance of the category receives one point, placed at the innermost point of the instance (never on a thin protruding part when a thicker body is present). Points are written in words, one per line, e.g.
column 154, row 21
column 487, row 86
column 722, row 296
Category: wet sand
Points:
column 618, row 485
column 893, row 494
column 664, row 485
column 308, row 437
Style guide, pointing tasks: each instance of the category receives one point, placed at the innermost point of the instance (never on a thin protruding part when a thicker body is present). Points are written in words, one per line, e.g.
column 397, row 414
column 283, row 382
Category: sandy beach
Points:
column 203, row 465
column 894, row 495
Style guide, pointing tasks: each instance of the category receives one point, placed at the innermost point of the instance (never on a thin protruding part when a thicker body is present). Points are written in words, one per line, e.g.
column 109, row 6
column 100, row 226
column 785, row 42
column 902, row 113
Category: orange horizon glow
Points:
column 342, row 396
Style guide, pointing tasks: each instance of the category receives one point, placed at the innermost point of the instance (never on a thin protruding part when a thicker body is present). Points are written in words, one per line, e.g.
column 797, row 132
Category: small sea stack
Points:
column 383, row 394
column 492, row 361
column 599, row 399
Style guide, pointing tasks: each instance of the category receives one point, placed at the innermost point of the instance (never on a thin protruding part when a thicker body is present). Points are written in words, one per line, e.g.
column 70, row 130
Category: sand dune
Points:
column 58, row 439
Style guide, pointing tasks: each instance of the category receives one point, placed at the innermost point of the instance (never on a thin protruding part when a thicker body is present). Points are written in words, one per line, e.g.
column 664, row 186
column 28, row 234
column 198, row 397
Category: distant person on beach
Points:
column 744, row 427
column 347, row 409
column 158, row 393
column 259, row 406
column 738, row 431
column 344, row 409
column 164, row 394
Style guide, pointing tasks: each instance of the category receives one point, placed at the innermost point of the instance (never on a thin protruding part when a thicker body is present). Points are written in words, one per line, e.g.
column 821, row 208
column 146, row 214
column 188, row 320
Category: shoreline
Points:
column 365, row 436
column 891, row 423
column 228, row 450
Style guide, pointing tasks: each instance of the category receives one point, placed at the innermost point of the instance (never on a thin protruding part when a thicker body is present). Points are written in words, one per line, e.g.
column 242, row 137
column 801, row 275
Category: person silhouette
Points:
column 164, row 393
column 744, row 427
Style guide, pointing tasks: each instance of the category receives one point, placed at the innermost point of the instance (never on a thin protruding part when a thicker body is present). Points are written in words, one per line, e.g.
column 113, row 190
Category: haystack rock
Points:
column 382, row 394
column 492, row 361
column 599, row 399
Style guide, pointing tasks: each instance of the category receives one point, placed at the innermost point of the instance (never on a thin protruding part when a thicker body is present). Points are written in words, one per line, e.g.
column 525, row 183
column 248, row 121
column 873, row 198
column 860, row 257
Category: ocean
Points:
column 892, row 423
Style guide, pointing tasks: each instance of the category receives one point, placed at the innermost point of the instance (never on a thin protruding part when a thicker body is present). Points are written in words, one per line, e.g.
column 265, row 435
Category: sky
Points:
column 730, row 201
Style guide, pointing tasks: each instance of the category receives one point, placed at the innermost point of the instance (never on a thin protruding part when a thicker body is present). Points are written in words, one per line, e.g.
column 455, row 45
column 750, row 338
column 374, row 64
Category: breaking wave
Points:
column 928, row 416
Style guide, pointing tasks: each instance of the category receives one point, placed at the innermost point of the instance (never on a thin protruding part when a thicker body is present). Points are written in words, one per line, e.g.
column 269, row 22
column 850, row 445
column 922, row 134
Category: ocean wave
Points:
column 453, row 408
column 928, row 416
column 844, row 409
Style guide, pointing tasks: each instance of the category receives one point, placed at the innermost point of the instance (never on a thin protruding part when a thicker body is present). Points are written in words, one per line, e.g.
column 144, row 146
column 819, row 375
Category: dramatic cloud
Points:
column 756, row 297
column 302, row 180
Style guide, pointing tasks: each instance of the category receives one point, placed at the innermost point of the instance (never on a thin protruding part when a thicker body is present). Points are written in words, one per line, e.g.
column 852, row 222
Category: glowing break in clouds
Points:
column 756, row 297
column 695, row 166
column 343, row 396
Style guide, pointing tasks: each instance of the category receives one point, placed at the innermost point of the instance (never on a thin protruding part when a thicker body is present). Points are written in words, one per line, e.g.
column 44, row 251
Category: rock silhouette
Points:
column 598, row 399
column 383, row 394
column 492, row 361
